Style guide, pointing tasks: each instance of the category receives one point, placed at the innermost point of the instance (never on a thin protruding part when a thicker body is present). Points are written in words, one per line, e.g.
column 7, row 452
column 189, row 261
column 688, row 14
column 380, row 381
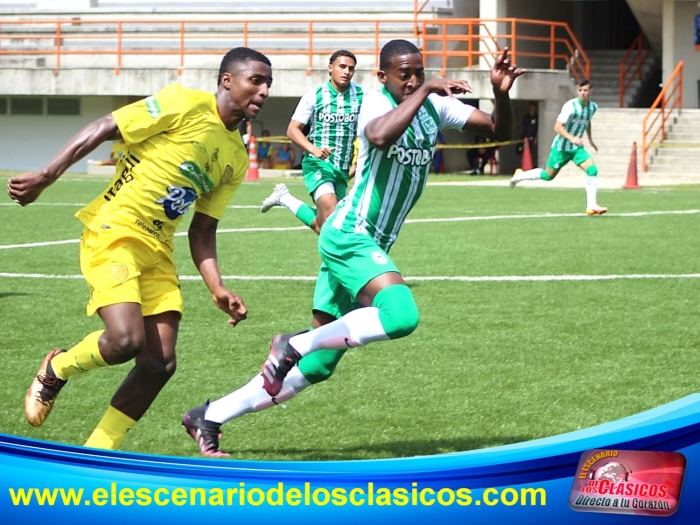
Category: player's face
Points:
column 248, row 84
column 404, row 76
column 342, row 70
column 584, row 92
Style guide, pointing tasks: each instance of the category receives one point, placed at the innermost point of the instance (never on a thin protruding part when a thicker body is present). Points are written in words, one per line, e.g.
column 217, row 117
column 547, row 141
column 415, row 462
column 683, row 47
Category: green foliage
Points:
column 492, row 362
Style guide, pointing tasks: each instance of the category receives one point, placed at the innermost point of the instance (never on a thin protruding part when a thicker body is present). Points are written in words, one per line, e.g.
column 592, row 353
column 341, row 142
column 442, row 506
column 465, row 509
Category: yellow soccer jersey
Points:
column 177, row 152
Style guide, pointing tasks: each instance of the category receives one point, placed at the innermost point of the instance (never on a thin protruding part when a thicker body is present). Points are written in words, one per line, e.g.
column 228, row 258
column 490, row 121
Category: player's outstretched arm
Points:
column 499, row 124
column 503, row 75
column 202, row 238
column 26, row 188
column 383, row 131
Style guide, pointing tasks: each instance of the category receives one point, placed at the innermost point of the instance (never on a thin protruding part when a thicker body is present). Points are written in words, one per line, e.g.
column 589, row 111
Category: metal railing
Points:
column 547, row 44
column 632, row 65
column 655, row 122
column 459, row 42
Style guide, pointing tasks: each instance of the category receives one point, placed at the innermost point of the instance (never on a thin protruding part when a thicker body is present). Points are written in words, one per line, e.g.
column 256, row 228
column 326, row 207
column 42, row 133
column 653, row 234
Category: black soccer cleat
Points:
column 205, row 433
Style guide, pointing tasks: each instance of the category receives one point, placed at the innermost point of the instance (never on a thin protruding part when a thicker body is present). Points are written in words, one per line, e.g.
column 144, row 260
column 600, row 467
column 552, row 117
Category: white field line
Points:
column 453, row 278
column 409, row 221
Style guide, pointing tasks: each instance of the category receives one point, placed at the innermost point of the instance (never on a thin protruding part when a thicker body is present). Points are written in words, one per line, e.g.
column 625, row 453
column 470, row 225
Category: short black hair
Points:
column 395, row 48
column 584, row 82
column 342, row 53
column 240, row 54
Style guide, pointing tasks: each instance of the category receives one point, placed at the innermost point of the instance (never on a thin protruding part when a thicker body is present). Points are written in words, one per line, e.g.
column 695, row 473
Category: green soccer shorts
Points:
column 558, row 159
column 316, row 172
column 349, row 262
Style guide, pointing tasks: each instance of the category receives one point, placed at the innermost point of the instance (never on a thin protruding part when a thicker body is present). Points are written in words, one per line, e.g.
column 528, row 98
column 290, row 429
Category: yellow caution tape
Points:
column 279, row 138
column 689, row 145
column 282, row 138
column 479, row 145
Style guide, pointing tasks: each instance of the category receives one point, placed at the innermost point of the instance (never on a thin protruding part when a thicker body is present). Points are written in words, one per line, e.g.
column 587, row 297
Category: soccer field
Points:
column 535, row 320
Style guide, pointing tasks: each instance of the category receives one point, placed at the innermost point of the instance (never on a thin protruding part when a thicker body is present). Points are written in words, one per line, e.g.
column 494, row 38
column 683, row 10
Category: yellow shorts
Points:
column 124, row 266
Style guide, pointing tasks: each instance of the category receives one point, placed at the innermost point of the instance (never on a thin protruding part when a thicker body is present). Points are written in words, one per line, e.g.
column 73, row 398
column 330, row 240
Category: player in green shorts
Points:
column 360, row 295
column 331, row 109
column 573, row 120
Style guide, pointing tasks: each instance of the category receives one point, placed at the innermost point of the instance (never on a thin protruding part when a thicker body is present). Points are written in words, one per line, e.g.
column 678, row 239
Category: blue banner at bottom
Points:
column 532, row 482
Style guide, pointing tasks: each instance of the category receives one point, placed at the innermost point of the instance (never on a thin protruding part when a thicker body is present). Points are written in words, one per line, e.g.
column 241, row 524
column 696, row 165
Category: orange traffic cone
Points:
column 252, row 173
column 631, row 183
column 527, row 156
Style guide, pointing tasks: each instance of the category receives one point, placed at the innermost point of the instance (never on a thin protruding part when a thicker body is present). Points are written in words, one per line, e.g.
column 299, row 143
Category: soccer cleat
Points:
column 513, row 179
column 273, row 199
column 281, row 360
column 42, row 393
column 597, row 210
column 205, row 433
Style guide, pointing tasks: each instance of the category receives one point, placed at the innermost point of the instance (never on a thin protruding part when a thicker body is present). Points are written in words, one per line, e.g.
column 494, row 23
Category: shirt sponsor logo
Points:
column 153, row 107
column 409, row 156
column 337, row 118
column 579, row 122
column 177, row 201
column 196, row 175
column 124, row 178
column 154, row 231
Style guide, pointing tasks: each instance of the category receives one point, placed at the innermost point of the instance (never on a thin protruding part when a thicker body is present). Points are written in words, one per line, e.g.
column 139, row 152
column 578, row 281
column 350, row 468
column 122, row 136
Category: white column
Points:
column 668, row 32
column 67, row 5
column 488, row 10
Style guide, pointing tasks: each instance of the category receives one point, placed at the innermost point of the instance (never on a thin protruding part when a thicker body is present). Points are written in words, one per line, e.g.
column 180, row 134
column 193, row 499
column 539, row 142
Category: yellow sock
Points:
column 82, row 357
column 111, row 430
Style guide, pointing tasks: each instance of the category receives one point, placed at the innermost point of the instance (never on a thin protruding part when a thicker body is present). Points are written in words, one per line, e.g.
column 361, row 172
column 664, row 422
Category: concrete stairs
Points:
column 605, row 78
column 679, row 155
column 616, row 129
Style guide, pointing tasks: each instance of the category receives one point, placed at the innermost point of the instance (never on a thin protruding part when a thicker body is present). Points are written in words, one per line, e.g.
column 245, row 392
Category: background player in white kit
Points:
column 331, row 110
column 573, row 120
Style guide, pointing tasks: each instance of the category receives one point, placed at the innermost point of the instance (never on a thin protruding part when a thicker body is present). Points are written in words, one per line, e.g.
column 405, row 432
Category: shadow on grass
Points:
column 3, row 295
column 399, row 449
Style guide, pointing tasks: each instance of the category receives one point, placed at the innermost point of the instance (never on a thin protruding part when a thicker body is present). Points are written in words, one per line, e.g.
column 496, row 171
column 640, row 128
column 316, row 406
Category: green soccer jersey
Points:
column 333, row 118
column 576, row 117
column 389, row 182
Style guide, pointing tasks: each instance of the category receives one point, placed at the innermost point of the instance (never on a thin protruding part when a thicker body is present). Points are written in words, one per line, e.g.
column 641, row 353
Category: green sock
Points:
column 306, row 214
column 545, row 176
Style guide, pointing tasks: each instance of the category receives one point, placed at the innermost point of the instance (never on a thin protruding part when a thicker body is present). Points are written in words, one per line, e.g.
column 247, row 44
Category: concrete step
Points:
column 675, row 142
column 677, row 171
column 692, row 160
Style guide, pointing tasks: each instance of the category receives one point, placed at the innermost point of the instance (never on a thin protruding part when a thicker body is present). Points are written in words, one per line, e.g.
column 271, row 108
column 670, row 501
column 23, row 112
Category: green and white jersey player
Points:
column 573, row 121
column 331, row 111
column 360, row 295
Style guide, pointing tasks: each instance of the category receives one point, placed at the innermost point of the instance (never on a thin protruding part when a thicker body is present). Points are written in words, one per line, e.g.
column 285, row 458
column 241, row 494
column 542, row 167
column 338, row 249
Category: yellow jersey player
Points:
column 182, row 150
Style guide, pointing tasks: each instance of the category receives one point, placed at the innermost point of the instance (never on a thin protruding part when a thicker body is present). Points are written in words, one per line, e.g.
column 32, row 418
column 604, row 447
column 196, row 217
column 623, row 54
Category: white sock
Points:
column 591, row 192
column 533, row 174
column 253, row 398
column 290, row 202
column 357, row 328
